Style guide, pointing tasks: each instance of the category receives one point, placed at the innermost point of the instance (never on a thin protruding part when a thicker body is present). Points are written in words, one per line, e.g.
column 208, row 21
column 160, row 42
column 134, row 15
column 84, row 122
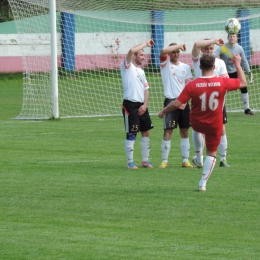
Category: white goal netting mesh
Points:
column 94, row 37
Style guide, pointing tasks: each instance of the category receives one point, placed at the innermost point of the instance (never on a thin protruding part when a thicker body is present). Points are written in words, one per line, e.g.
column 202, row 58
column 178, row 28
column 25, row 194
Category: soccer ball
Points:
column 232, row 26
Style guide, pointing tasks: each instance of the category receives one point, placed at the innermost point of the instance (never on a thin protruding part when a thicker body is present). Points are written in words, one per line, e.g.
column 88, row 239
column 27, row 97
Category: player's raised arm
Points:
column 137, row 48
column 203, row 43
column 240, row 72
column 172, row 47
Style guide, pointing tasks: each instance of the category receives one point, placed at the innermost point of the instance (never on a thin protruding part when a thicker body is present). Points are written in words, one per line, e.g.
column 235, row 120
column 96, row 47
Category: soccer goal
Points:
column 93, row 37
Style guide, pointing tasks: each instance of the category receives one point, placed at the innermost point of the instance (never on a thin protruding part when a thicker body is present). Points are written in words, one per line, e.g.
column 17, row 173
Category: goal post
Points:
column 54, row 63
column 93, row 37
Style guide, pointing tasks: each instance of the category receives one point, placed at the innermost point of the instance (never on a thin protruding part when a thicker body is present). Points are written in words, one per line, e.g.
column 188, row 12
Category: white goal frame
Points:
column 80, row 77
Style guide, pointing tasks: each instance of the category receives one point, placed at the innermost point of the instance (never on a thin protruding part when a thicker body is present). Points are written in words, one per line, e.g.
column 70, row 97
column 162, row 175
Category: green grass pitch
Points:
column 65, row 192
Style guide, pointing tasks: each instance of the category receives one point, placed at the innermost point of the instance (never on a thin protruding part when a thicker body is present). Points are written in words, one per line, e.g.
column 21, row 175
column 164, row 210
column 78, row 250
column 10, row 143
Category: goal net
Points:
column 94, row 37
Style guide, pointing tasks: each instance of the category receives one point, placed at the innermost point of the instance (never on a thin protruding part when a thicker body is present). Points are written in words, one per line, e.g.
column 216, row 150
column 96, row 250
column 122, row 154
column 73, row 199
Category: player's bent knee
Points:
column 145, row 133
column 131, row 136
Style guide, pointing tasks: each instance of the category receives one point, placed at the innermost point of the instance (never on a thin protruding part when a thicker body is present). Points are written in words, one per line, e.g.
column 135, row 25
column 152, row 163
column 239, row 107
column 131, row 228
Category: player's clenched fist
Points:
column 150, row 43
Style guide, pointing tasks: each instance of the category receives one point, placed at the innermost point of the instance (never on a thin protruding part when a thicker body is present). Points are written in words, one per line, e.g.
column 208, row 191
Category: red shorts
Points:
column 212, row 135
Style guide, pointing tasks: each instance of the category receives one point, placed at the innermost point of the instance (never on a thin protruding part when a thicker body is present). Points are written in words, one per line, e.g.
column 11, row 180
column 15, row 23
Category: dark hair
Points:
column 207, row 61
column 173, row 44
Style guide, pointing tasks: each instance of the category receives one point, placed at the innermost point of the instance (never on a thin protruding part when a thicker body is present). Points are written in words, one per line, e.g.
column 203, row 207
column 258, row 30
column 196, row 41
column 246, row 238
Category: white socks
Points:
column 185, row 149
column 245, row 100
column 207, row 170
column 129, row 150
column 145, row 148
column 222, row 148
column 198, row 141
column 165, row 148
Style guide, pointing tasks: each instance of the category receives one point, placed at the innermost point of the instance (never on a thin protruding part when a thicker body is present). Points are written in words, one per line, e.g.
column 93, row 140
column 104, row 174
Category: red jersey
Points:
column 207, row 100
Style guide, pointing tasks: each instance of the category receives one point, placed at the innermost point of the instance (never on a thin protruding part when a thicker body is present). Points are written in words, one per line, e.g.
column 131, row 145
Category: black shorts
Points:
column 133, row 122
column 233, row 75
column 178, row 117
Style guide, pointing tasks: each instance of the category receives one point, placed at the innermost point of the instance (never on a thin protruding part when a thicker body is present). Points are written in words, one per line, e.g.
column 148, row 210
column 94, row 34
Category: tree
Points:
column 5, row 11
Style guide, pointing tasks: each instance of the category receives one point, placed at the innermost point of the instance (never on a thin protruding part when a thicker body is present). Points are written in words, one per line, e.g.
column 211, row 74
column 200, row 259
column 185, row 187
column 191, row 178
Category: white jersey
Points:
column 174, row 78
column 219, row 71
column 134, row 82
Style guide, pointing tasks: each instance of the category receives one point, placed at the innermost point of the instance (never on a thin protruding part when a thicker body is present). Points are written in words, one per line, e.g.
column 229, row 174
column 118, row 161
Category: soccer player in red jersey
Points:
column 207, row 94
column 200, row 47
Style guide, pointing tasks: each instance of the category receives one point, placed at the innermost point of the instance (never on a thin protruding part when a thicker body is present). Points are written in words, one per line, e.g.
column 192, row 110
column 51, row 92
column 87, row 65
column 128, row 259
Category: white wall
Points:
column 103, row 43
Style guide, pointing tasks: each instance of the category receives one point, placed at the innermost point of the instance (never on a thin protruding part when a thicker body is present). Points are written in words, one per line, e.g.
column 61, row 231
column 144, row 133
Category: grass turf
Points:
column 66, row 194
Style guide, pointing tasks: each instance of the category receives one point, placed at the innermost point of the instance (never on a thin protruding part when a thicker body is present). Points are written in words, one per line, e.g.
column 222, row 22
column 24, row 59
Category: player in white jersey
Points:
column 200, row 47
column 175, row 75
column 226, row 52
column 135, row 104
